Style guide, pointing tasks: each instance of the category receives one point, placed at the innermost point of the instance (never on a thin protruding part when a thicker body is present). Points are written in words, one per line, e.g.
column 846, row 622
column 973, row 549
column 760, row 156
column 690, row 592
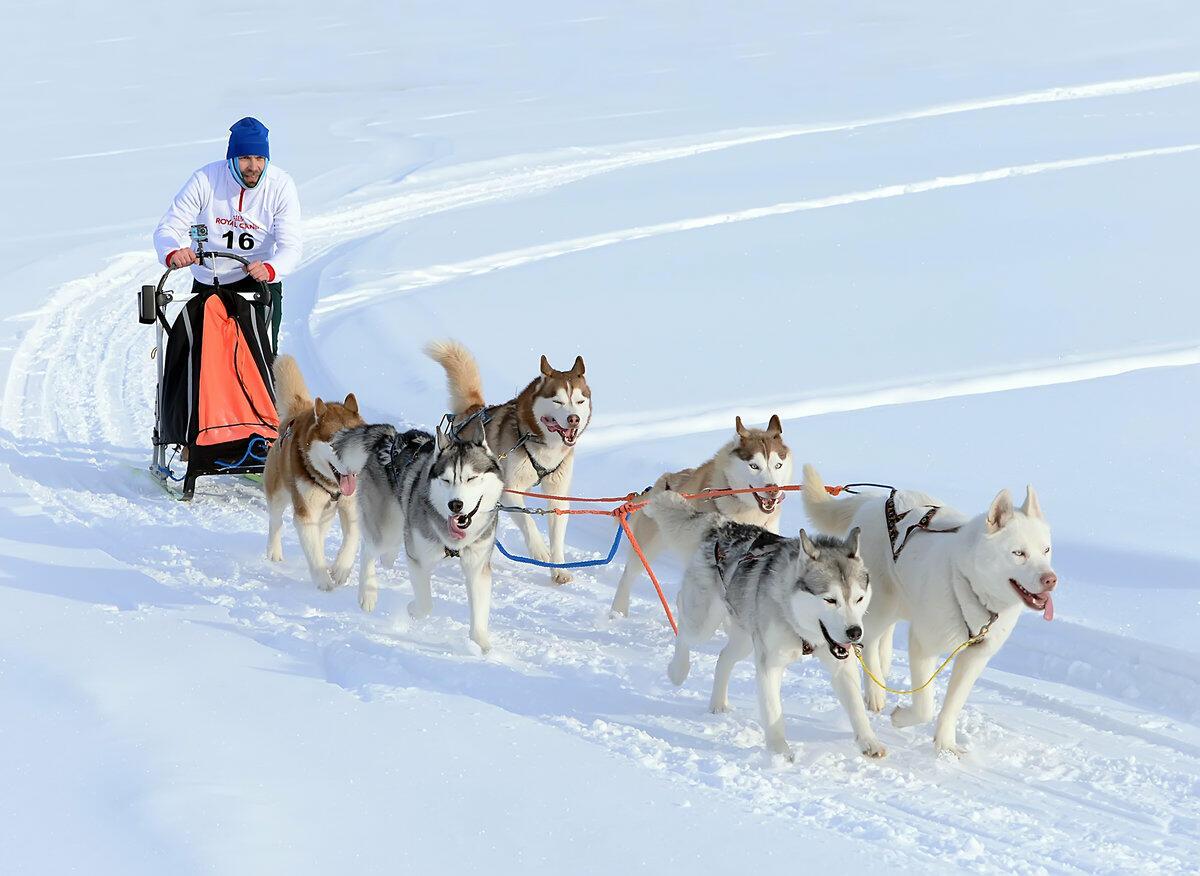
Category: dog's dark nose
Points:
column 1049, row 581
column 455, row 506
column 572, row 420
column 853, row 633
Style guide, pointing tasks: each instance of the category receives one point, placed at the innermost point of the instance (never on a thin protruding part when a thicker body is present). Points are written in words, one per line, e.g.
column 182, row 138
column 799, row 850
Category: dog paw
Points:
column 947, row 746
column 417, row 611
column 719, row 708
column 872, row 747
column 561, row 576
column 678, row 668
column 368, row 598
column 341, row 574
column 875, row 701
column 906, row 716
column 483, row 640
column 949, row 752
column 323, row 580
column 275, row 555
column 615, row 613
column 783, row 751
column 539, row 551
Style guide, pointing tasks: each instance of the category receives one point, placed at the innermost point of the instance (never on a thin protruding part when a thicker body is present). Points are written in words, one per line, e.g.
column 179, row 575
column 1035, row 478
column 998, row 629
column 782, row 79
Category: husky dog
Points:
column 962, row 575
column 534, row 433
column 305, row 471
column 754, row 458
column 434, row 496
column 779, row 598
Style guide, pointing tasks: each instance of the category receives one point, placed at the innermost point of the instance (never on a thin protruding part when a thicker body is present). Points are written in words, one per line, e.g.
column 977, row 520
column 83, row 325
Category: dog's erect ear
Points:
column 319, row 409
column 547, row 371
column 443, row 440
column 577, row 368
column 385, row 448
column 741, row 430
column 1000, row 512
column 351, row 403
column 775, row 427
column 1032, row 507
column 809, row 547
column 852, row 542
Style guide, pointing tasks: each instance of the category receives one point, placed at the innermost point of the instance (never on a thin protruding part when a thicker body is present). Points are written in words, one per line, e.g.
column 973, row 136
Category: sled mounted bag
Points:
column 217, row 394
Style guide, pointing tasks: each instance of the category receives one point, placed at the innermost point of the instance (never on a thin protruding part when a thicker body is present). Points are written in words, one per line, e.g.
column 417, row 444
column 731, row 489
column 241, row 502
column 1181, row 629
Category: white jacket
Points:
column 259, row 224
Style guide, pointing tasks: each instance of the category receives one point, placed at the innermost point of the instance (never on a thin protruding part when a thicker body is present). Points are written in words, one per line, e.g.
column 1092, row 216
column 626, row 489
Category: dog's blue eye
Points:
column 1046, row 551
column 1019, row 554
column 754, row 466
column 779, row 465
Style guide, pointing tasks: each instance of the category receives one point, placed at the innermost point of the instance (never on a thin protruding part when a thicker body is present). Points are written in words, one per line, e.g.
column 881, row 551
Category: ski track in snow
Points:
column 643, row 427
column 408, row 281
column 1043, row 724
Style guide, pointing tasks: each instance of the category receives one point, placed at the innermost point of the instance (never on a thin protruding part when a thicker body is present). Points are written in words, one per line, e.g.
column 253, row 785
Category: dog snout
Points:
column 455, row 506
column 1049, row 581
column 572, row 420
column 853, row 633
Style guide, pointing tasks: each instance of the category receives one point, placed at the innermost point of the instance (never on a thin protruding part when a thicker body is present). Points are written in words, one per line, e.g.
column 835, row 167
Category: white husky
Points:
column 961, row 575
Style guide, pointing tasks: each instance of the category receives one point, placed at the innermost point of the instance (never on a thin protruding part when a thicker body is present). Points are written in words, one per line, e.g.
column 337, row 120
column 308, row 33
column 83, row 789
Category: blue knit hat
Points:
column 248, row 136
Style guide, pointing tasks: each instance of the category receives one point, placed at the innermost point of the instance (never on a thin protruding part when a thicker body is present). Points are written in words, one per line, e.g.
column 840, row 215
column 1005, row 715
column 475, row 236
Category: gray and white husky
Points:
column 435, row 497
column 950, row 582
column 780, row 598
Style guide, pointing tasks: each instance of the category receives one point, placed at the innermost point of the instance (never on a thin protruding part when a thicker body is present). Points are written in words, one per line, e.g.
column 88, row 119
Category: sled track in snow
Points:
column 408, row 281
column 78, row 404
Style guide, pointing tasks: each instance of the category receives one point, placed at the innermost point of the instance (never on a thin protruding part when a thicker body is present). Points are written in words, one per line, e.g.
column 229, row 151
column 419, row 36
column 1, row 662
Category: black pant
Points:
column 247, row 285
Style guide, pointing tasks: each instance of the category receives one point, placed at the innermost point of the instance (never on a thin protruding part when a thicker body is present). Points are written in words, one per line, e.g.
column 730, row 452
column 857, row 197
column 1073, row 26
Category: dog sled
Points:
column 214, row 407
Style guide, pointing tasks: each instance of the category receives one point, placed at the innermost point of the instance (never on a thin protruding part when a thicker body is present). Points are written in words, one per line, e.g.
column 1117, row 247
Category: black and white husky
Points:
column 780, row 598
column 433, row 495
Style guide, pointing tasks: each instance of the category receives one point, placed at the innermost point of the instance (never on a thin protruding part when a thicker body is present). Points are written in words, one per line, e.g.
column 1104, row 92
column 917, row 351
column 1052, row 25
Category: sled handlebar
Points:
column 152, row 298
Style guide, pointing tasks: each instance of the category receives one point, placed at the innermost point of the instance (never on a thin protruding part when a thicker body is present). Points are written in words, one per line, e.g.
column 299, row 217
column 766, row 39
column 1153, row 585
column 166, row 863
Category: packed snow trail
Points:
column 1085, row 752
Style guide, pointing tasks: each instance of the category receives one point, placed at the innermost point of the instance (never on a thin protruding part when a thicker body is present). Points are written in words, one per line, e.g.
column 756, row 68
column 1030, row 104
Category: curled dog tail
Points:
column 462, row 376
column 679, row 521
column 830, row 515
column 291, row 392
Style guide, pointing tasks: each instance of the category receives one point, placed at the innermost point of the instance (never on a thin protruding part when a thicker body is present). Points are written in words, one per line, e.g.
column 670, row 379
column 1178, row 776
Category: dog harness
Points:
column 540, row 470
column 893, row 527
column 719, row 557
column 400, row 451
column 893, row 523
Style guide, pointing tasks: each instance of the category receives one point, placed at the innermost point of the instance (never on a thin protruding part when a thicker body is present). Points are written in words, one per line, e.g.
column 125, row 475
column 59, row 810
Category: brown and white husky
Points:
column 533, row 435
column 303, row 470
column 754, row 458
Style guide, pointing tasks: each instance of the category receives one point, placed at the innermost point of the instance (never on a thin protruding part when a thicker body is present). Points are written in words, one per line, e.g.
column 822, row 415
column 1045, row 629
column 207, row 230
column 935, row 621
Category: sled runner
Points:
column 215, row 403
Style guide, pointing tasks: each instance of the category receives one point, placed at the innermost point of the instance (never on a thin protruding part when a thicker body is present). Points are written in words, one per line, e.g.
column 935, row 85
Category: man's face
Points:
column 251, row 167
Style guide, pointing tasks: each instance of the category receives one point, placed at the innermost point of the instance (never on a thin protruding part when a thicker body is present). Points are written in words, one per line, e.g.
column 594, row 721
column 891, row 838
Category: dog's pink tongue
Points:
column 347, row 483
column 456, row 531
column 1048, row 613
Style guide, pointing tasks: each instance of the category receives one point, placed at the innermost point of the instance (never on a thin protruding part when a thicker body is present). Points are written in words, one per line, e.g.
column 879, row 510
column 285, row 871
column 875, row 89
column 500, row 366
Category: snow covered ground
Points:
column 952, row 246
